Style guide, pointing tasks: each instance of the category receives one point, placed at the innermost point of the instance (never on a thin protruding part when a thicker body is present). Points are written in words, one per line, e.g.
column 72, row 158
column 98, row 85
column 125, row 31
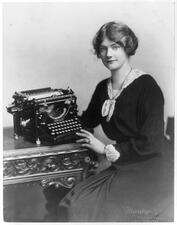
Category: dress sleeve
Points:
column 150, row 119
column 91, row 117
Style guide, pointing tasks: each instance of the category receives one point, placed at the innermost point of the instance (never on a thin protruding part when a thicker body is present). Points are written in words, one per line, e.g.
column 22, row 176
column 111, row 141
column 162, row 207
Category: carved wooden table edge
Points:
column 64, row 164
column 51, row 165
column 54, row 168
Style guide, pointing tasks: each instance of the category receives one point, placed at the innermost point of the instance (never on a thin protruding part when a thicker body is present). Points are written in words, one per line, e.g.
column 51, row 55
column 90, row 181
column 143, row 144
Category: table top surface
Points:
column 12, row 147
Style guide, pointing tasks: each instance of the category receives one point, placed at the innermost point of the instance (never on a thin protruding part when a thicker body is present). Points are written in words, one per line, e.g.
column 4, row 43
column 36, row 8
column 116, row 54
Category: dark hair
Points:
column 119, row 33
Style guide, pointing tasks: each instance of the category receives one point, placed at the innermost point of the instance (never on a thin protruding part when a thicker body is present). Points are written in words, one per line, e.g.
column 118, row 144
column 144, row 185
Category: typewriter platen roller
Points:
column 45, row 115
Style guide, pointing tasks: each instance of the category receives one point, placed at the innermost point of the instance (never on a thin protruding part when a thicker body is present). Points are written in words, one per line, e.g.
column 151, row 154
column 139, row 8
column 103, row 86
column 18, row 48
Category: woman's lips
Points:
column 110, row 61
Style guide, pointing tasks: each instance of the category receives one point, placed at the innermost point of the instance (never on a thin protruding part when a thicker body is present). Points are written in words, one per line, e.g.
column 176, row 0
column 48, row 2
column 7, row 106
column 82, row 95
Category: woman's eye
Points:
column 115, row 47
column 102, row 49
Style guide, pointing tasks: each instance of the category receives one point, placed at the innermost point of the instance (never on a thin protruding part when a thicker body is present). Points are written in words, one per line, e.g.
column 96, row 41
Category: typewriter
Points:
column 45, row 115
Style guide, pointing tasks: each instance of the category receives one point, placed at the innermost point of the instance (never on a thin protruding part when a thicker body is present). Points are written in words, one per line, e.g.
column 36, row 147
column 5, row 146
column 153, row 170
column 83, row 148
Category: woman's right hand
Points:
column 89, row 141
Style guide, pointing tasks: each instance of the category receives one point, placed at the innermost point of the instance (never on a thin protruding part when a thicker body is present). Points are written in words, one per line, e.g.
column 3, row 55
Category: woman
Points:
column 129, row 107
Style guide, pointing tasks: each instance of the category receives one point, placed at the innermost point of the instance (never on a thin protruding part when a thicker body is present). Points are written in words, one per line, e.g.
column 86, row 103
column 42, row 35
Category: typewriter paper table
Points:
column 33, row 175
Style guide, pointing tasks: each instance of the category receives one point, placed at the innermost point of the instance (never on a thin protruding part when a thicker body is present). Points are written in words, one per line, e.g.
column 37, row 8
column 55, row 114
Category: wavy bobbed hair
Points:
column 119, row 33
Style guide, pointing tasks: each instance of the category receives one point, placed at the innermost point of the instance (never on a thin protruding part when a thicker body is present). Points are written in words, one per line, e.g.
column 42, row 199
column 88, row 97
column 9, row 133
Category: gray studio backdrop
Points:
column 49, row 45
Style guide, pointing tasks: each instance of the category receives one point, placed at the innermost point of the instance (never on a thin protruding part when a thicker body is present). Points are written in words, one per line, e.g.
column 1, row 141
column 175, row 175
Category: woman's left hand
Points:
column 88, row 140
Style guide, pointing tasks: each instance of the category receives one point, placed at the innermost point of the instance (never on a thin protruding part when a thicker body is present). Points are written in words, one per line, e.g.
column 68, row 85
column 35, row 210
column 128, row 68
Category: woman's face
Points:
column 112, row 55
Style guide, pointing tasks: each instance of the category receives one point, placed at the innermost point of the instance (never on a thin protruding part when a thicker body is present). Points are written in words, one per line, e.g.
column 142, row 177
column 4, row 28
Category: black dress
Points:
column 139, row 185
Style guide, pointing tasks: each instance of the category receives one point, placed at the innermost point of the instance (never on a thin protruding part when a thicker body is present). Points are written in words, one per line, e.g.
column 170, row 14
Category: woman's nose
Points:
column 109, row 52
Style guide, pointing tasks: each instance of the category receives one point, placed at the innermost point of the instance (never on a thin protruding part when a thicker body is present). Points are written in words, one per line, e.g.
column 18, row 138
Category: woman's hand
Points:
column 89, row 141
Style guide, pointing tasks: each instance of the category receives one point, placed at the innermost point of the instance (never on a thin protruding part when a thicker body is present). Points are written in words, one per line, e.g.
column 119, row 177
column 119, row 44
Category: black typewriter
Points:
column 45, row 115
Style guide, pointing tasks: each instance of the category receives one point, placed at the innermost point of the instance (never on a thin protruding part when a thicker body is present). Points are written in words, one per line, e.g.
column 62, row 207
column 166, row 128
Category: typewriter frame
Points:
column 26, row 110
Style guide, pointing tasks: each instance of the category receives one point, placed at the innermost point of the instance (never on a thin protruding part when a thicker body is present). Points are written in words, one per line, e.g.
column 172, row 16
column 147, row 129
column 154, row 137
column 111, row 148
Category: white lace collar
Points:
column 109, row 104
column 134, row 74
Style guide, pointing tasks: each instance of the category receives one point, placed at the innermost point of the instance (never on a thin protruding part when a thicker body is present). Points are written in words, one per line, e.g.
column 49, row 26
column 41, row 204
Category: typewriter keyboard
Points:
column 64, row 127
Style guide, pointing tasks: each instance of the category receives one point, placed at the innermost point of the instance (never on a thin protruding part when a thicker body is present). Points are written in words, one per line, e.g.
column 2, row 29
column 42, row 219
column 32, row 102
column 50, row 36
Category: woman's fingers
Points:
column 81, row 134
column 84, row 140
column 86, row 132
column 85, row 145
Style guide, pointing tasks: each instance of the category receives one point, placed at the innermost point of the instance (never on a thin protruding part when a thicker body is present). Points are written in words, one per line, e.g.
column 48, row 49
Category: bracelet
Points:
column 111, row 153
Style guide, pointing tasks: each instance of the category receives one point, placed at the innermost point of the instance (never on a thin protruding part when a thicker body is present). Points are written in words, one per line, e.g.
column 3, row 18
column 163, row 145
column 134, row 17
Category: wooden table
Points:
column 51, row 170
